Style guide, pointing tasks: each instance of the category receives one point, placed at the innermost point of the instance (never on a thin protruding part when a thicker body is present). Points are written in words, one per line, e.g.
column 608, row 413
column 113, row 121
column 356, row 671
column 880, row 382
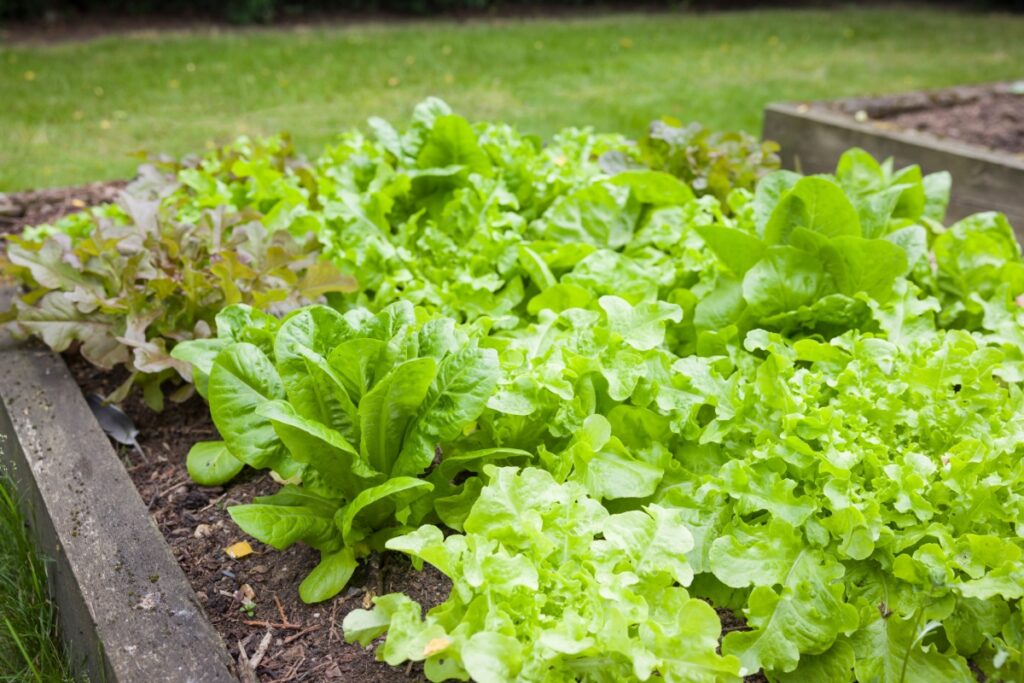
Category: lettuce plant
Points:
column 351, row 410
column 467, row 220
column 798, row 400
column 130, row 282
column 576, row 387
column 848, row 481
column 450, row 215
column 977, row 260
column 548, row 586
column 711, row 162
column 813, row 251
column 843, row 493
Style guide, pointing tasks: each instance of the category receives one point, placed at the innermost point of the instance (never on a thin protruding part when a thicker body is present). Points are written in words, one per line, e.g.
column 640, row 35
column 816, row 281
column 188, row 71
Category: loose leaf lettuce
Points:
column 800, row 401
column 549, row 586
column 133, row 280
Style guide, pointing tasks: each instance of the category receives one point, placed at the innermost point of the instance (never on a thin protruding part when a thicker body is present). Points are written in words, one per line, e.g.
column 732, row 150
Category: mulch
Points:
column 19, row 210
column 994, row 120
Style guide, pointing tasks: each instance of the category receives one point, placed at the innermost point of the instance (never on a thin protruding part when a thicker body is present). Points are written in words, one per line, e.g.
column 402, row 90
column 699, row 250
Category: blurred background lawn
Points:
column 74, row 111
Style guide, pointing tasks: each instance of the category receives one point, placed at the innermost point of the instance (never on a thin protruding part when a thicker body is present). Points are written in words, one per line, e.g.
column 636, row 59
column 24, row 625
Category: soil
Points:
column 995, row 120
column 35, row 207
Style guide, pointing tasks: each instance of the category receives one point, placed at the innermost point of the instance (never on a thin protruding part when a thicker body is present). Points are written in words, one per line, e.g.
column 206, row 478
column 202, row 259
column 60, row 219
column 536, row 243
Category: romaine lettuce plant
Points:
column 812, row 252
column 351, row 410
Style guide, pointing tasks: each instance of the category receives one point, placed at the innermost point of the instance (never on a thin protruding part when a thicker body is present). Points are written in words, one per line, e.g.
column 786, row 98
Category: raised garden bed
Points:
column 278, row 639
column 437, row 353
column 976, row 133
column 99, row 597
column 125, row 609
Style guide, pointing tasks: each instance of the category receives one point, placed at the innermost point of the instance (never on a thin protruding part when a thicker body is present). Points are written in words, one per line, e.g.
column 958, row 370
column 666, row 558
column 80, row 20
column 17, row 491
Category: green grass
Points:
column 28, row 645
column 73, row 112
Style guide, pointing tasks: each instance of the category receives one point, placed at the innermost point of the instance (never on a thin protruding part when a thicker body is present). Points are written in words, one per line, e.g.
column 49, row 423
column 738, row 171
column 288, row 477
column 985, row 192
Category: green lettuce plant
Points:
column 977, row 260
column 351, row 411
column 809, row 253
column 548, row 586
column 799, row 401
column 848, row 481
column 464, row 219
column 710, row 162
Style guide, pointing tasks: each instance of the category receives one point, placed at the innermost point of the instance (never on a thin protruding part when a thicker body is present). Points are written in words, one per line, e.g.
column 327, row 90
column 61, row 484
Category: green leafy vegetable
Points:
column 549, row 586
column 356, row 407
column 710, row 162
column 629, row 379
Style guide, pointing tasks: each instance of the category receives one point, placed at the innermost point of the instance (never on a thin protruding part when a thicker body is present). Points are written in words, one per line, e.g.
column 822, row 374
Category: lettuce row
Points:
column 445, row 214
column 856, row 543
column 850, row 484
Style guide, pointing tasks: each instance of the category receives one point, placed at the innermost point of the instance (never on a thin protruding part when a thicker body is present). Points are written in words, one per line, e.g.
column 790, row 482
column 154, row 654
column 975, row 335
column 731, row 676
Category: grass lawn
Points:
column 28, row 649
column 74, row 112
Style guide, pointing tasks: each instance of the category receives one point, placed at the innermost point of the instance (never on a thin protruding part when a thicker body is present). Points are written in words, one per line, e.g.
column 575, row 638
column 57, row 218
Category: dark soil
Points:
column 994, row 120
column 35, row 207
